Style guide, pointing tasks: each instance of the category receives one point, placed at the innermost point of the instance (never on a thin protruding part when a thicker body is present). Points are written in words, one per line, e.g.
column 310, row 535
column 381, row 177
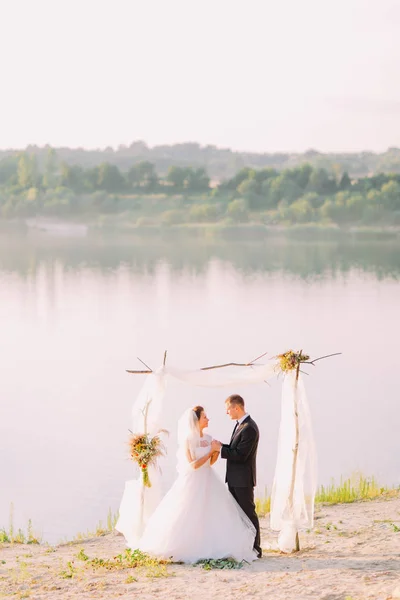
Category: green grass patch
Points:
column 353, row 489
column 219, row 563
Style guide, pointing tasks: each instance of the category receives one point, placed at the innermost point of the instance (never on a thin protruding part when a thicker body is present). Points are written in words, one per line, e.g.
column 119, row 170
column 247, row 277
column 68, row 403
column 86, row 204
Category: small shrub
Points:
column 238, row 211
column 171, row 217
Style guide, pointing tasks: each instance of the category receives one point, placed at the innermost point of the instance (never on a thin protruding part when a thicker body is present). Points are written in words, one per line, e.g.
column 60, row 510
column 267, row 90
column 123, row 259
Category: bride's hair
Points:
column 188, row 435
column 197, row 411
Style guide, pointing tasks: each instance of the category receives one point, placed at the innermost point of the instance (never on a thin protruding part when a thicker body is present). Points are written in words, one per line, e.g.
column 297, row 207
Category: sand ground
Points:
column 352, row 553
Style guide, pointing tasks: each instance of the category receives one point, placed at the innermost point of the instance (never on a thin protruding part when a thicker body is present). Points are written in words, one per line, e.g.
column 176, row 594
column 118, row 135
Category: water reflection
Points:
column 304, row 259
column 75, row 314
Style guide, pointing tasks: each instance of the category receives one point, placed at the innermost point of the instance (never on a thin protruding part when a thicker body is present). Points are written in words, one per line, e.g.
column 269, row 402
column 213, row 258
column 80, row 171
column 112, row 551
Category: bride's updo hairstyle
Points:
column 197, row 411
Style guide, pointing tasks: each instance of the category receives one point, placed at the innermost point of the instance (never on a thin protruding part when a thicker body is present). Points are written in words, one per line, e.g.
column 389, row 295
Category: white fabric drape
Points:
column 138, row 501
column 293, row 490
column 225, row 376
column 147, row 408
column 286, row 516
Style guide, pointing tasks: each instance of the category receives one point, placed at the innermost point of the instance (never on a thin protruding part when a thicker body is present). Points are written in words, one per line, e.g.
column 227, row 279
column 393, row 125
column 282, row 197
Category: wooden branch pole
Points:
column 148, row 370
column 295, row 454
column 145, row 414
column 143, row 363
column 142, row 490
column 314, row 360
column 233, row 364
column 230, row 364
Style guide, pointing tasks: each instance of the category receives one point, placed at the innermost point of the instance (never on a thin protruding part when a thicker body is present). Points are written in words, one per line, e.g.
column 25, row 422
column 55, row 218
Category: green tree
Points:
column 261, row 175
column 72, row 177
column 197, row 180
column 345, row 182
column 238, row 211
column 9, row 170
column 27, row 170
column 250, row 189
column 314, row 199
column 51, row 174
column 249, row 186
column 335, row 209
column 110, row 178
column 390, row 194
column 356, row 204
column 284, row 188
column 300, row 175
column 301, row 211
column 176, row 177
column 233, row 183
column 321, row 183
column 143, row 176
column 92, row 178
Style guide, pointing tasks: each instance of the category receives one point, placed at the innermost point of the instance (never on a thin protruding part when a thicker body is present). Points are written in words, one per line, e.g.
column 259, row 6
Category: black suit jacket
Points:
column 241, row 455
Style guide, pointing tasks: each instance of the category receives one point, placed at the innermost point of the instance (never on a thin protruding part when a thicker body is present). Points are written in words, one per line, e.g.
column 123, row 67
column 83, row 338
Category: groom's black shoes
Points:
column 259, row 552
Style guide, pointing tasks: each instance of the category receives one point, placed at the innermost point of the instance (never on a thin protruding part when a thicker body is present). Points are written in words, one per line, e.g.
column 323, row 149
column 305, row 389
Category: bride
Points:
column 198, row 518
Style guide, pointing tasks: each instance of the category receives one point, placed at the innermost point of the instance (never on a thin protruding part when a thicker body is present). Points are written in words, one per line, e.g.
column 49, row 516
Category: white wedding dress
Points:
column 198, row 518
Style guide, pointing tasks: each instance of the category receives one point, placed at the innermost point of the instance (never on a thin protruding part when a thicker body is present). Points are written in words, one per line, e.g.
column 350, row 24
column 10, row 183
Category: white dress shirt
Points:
column 240, row 421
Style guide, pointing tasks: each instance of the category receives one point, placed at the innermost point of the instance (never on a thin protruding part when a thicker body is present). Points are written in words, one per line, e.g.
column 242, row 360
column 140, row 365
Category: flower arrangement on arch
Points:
column 145, row 450
column 290, row 360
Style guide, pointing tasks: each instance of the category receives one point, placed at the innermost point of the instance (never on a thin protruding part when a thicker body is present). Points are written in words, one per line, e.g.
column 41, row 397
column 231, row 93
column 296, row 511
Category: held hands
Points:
column 215, row 446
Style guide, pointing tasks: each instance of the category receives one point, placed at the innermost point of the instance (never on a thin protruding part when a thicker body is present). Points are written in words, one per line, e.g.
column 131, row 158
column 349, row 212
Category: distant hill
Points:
column 220, row 163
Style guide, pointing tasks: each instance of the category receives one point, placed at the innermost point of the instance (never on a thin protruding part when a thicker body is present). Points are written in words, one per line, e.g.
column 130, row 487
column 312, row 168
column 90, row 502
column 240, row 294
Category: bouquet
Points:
column 145, row 450
column 290, row 360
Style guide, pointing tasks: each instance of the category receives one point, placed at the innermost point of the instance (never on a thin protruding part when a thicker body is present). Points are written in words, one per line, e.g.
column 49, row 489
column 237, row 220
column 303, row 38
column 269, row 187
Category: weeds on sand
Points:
column 130, row 559
column 263, row 505
column 70, row 571
column 13, row 536
column 100, row 530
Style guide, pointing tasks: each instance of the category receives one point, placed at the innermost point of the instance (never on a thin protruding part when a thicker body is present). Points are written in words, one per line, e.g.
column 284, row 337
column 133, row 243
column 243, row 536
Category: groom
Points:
column 240, row 456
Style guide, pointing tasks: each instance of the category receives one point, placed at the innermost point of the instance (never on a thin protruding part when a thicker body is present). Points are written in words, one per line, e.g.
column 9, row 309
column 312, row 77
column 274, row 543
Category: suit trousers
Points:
column 244, row 496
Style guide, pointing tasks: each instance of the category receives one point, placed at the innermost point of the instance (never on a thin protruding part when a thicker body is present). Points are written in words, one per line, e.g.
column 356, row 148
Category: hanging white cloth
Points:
column 225, row 376
column 147, row 408
column 138, row 501
column 295, row 480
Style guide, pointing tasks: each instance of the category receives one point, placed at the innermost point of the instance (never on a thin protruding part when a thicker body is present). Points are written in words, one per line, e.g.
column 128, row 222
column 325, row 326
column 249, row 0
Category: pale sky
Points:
column 257, row 75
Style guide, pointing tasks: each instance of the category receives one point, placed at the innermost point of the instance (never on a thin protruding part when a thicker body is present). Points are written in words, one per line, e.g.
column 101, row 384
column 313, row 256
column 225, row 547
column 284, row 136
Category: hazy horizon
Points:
column 254, row 76
column 121, row 146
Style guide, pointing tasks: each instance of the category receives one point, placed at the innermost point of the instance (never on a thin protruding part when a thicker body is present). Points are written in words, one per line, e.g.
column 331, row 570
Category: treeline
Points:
column 21, row 172
column 220, row 163
column 302, row 194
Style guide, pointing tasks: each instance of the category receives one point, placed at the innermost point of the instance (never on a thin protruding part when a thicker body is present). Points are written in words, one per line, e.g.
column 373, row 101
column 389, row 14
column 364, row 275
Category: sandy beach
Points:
column 352, row 553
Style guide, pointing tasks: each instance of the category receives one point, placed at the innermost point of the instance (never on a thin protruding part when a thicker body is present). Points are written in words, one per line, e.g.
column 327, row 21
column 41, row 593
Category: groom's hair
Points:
column 235, row 399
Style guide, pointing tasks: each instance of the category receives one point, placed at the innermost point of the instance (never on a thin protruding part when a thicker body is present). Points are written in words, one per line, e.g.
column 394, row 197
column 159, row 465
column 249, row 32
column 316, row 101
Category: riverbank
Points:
column 105, row 225
column 353, row 553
